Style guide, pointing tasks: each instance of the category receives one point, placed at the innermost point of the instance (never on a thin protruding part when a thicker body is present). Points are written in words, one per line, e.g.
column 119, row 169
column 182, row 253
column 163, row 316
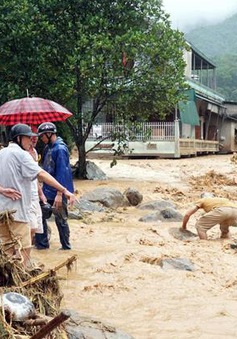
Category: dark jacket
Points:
column 56, row 161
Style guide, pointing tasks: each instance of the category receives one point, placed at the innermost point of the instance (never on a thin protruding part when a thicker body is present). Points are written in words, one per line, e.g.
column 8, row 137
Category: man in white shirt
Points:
column 17, row 171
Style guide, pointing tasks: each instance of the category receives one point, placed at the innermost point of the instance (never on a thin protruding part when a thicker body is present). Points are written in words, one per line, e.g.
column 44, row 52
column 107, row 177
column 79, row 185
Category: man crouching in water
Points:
column 217, row 211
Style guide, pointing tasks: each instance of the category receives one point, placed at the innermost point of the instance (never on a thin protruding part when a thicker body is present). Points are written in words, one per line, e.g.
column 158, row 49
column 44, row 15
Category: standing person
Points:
column 56, row 161
column 37, row 195
column 17, row 171
column 217, row 211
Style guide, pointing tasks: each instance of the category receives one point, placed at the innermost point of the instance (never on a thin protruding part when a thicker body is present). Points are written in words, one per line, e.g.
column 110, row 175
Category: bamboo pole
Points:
column 50, row 272
column 51, row 325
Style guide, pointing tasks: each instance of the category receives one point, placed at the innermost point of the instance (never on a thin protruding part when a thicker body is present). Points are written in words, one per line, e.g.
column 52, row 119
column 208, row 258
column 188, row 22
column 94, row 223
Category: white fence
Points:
column 150, row 131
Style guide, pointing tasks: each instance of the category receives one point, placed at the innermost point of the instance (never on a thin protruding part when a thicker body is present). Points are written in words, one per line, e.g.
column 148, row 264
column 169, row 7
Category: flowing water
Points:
column 118, row 278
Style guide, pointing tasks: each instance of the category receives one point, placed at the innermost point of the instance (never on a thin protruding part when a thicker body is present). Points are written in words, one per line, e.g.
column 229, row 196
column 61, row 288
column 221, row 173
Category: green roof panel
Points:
column 188, row 109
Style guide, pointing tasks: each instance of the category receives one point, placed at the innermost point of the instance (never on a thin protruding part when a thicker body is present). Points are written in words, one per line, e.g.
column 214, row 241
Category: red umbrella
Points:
column 32, row 111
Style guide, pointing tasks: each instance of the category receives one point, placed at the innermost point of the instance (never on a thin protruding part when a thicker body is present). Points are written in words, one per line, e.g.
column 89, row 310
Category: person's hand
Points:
column 11, row 193
column 58, row 201
column 71, row 197
column 43, row 198
column 183, row 229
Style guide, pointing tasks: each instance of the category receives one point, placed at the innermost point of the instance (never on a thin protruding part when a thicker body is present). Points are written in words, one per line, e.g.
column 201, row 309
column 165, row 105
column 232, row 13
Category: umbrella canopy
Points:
column 32, row 111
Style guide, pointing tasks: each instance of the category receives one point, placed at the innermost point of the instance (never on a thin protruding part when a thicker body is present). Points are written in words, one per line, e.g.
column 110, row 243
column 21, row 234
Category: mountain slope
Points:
column 216, row 40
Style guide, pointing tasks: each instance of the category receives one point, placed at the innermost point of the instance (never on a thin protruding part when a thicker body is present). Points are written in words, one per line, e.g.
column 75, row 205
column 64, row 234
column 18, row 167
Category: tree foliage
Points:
column 226, row 76
column 118, row 51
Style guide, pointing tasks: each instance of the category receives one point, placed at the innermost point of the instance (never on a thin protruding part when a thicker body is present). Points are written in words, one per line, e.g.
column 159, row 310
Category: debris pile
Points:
column 211, row 179
column 216, row 183
column 41, row 288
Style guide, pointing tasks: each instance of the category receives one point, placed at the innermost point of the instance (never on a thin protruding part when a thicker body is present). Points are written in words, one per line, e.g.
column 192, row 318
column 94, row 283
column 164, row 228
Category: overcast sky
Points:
column 186, row 14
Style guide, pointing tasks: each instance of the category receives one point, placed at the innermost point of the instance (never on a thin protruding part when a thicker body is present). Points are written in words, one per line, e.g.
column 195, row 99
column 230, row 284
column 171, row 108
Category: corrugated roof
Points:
column 206, row 92
column 201, row 55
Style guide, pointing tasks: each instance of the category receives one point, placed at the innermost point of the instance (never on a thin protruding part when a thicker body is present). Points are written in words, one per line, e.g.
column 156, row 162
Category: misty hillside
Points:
column 219, row 43
column 216, row 40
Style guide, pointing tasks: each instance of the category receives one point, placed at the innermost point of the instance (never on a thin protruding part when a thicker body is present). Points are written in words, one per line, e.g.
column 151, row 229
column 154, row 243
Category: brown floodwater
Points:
column 117, row 277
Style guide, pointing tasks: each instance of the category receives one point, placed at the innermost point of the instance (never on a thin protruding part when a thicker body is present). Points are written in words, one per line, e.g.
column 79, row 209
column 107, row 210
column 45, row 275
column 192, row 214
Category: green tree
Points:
column 120, row 51
column 226, row 76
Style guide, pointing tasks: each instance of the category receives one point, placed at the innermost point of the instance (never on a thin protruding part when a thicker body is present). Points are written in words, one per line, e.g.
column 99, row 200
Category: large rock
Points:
column 109, row 197
column 84, row 205
column 81, row 327
column 75, row 214
column 171, row 213
column 157, row 205
column 167, row 215
column 134, row 196
column 93, row 172
column 177, row 264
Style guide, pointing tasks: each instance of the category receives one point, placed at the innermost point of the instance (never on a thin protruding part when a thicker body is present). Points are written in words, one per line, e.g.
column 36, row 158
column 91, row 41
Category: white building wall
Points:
column 188, row 59
column 228, row 137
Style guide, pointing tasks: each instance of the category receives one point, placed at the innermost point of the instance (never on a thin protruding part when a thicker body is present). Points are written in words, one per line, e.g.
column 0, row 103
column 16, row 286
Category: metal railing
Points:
column 150, row 131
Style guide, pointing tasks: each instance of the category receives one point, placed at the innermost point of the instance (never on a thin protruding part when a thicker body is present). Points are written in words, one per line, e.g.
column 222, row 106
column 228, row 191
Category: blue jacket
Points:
column 56, row 161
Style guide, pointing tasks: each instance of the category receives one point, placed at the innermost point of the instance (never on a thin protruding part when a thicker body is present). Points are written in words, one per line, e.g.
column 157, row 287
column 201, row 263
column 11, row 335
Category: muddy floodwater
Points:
column 118, row 278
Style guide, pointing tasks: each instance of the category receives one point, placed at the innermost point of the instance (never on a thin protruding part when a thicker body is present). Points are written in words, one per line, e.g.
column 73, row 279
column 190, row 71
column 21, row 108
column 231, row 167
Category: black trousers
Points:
column 42, row 240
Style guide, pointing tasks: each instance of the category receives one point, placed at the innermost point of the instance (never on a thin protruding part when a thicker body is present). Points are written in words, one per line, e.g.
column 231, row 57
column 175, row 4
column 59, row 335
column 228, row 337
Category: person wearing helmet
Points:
column 56, row 161
column 17, row 171
column 47, row 127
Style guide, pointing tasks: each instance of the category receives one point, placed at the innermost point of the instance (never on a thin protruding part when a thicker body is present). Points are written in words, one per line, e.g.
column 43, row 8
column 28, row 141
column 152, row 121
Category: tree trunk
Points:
column 80, row 172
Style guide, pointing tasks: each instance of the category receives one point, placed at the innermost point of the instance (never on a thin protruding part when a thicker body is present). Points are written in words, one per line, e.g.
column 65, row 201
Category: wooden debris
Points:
column 7, row 216
column 43, row 290
column 36, row 322
column 50, row 272
column 50, row 326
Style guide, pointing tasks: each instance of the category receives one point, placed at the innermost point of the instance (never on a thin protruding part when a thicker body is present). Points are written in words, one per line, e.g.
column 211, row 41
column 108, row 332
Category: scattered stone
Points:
column 233, row 246
column 167, row 215
column 76, row 215
column 82, row 327
column 157, row 205
column 82, row 206
column 109, row 197
column 171, row 214
column 207, row 195
column 179, row 234
column 85, row 205
column 93, row 172
column 150, row 217
column 177, row 264
column 134, row 196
